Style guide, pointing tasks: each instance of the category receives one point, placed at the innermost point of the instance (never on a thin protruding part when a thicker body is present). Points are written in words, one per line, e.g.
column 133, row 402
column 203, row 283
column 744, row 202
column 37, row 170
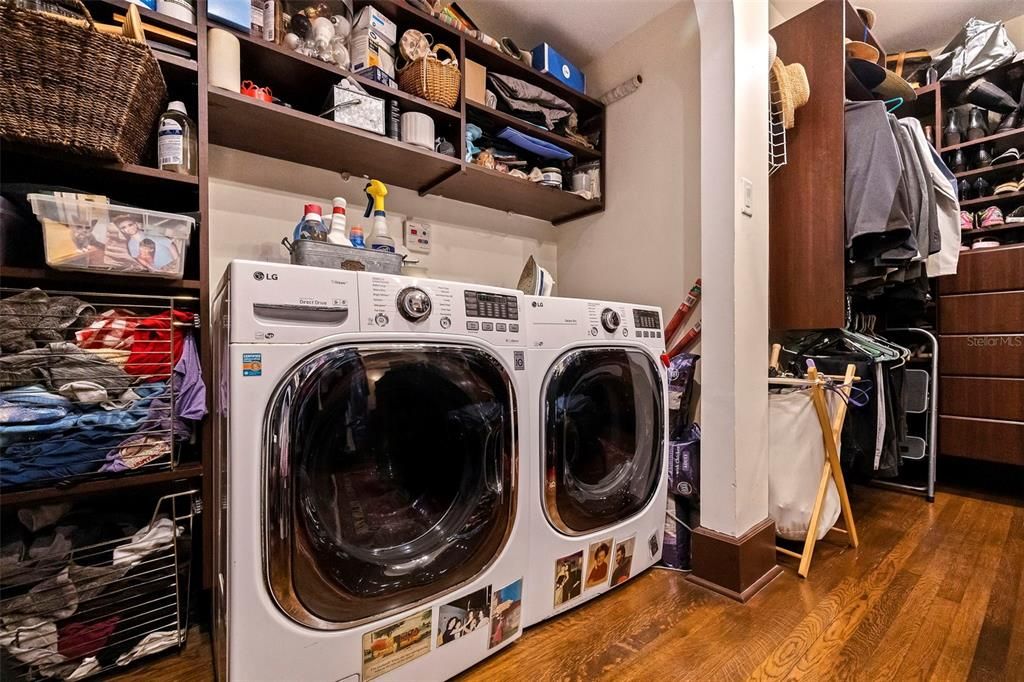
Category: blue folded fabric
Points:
column 543, row 149
column 31, row 405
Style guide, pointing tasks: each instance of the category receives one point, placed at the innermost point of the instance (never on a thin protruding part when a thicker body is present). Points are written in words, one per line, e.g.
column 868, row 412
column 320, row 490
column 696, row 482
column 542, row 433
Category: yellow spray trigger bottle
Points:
column 380, row 240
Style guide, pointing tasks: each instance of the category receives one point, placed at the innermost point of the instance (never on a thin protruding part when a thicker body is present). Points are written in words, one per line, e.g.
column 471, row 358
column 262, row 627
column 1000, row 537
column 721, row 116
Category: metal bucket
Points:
column 325, row 255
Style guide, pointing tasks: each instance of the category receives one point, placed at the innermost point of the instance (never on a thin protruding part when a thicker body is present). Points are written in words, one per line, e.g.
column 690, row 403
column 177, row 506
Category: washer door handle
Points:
column 294, row 312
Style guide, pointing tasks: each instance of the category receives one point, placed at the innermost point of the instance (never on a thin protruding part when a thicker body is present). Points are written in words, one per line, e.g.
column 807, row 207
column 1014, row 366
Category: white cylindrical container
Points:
column 224, row 61
column 418, row 129
column 182, row 10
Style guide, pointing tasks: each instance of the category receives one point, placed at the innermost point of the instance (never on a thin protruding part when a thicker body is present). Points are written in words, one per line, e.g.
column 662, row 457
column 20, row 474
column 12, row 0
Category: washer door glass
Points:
column 391, row 478
column 603, row 437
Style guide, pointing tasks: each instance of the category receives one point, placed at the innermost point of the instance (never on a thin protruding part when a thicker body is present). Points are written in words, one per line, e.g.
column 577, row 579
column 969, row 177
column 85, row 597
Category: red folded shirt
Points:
column 157, row 345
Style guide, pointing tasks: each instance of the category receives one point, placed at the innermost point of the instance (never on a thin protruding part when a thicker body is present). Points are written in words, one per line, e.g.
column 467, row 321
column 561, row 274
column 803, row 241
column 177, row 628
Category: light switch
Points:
column 748, row 197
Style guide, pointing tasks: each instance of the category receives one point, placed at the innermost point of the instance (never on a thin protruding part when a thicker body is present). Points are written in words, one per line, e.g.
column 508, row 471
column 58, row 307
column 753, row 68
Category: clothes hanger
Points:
column 893, row 104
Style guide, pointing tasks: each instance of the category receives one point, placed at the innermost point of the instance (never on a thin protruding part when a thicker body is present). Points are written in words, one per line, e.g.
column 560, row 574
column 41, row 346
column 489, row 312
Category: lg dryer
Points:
column 598, row 479
column 368, row 483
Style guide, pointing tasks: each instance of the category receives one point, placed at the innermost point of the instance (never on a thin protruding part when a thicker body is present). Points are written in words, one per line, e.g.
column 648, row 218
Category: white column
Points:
column 734, row 264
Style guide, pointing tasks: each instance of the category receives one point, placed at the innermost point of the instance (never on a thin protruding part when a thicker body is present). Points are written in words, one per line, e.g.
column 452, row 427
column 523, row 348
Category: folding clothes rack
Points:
column 831, row 431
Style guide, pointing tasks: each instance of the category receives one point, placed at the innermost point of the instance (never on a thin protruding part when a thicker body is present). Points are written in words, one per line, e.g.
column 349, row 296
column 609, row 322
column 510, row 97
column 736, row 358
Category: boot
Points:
column 988, row 95
column 976, row 127
column 983, row 157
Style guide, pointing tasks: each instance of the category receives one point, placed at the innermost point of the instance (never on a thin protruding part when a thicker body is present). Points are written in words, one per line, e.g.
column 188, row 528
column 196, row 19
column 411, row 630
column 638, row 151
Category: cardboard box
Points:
column 476, row 81
column 547, row 60
column 235, row 14
column 367, row 49
column 371, row 18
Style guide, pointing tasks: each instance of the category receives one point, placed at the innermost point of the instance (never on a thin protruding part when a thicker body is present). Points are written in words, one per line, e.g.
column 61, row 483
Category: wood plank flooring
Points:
column 935, row 591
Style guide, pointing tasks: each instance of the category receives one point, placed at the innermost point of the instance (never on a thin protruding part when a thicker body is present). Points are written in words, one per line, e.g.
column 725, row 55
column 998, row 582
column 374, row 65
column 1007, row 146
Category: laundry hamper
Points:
column 66, row 85
column 433, row 80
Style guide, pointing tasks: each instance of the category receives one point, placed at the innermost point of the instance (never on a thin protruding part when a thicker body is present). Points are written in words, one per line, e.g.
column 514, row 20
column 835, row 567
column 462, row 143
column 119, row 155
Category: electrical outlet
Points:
column 418, row 236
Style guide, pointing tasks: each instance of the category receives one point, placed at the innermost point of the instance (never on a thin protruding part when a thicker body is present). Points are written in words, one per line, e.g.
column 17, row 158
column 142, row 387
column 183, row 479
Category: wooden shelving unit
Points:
column 296, row 133
column 1009, row 198
column 187, row 472
column 1005, row 139
column 1007, row 170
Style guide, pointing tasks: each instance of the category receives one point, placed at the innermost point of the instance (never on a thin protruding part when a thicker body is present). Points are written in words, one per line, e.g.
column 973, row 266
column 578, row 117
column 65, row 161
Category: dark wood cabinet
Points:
column 985, row 439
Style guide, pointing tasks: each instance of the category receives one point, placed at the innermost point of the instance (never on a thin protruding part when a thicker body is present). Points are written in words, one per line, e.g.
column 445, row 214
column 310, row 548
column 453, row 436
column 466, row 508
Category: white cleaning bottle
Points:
column 337, row 233
column 380, row 240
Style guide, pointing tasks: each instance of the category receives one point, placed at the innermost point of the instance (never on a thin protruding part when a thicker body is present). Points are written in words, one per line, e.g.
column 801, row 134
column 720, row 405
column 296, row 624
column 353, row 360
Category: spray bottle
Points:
column 337, row 225
column 379, row 240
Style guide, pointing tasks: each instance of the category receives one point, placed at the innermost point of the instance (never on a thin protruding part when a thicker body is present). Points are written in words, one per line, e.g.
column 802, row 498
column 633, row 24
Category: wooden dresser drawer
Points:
column 982, row 355
column 995, row 313
column 982, row 397
column 986, row 439
column 986, row 270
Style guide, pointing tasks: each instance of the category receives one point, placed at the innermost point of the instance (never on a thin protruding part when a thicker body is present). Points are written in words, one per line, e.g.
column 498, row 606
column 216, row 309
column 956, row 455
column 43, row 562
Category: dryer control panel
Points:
column 390, row 303
column 555, row 322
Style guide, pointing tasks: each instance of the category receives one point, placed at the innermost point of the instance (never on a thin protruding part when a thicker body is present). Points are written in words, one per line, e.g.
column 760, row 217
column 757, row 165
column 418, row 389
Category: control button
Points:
column 500, row 327
column 487, row 327
column 472, row 326
column 625, row 332
column 514, row 328
column 657, row 335
column 593, row 331
column 643, row 334
column 381, row 320
column 414, row 304
column 610, row 320
column 446, row 322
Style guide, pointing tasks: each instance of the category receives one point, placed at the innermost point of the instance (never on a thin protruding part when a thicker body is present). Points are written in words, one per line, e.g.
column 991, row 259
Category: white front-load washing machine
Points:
column 368, row 491
column 598, row 477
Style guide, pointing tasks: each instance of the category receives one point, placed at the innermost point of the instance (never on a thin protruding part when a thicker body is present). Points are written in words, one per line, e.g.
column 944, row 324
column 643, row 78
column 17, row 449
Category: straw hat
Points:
column 794, row 90
column 881, row 81
column 867, row 16
column 861, row 50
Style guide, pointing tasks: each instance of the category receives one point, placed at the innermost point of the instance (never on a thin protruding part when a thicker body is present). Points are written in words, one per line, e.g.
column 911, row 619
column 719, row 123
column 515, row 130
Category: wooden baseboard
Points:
column 735, row 567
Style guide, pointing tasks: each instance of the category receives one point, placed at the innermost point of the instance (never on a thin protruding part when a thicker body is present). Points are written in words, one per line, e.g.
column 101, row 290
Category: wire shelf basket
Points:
column 86, row 385
column 72, row 612
column 776, row 128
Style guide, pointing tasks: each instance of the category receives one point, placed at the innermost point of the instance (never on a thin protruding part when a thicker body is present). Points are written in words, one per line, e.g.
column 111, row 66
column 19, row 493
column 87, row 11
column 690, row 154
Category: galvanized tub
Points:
column 325, row 255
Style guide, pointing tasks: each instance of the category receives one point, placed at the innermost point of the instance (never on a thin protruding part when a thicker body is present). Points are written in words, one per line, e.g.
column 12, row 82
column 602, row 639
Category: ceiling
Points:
column 919, row 24
column 582, row 30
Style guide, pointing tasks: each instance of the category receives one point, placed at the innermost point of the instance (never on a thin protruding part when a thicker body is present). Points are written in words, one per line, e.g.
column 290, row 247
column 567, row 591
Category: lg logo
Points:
column 260, row 276
column 537, row 304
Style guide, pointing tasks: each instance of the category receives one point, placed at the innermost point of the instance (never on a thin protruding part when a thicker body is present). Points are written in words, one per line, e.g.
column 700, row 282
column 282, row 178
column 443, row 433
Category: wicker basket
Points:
column 71, row 87
column 429, row 78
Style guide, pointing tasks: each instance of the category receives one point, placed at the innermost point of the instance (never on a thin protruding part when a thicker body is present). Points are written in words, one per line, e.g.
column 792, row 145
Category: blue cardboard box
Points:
column 234, row 13
column 547, row 60
column 148, row 4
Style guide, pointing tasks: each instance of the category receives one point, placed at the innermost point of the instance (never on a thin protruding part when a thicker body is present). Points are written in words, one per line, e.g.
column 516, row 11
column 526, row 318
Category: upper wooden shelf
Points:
column 1014, row 169
column 1006, row 139
column 274, row 130
column 148, row 16
column 293, row 77
column 582, row 153
column 184, row 472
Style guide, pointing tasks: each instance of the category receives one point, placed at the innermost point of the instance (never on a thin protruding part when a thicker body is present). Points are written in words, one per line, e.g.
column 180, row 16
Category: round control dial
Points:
column 414, row 304
column 610, row 320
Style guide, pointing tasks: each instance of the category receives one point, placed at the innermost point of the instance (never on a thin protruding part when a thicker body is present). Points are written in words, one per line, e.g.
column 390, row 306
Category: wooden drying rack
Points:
column 831, row 431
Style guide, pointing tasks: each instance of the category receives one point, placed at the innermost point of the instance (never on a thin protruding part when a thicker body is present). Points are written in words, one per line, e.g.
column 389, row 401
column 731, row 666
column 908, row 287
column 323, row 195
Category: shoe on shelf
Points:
column 1009, row 187
column 990, row 217
column 983, row 189
column 983, row 157
column 1009, row 156
column 967, row 221
column 966, row 190
column 1012, row 120
column 1014, row 216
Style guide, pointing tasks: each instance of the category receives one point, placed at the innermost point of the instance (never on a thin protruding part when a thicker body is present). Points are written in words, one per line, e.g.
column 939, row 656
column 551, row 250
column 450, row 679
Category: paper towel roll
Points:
column 223, row 61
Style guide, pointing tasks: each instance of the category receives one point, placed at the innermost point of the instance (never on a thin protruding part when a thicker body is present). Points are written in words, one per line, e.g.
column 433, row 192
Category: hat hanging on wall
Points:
column 773, row 52
column 861, row 50
column 867, row 16
column 881, row 81
column 794, row 90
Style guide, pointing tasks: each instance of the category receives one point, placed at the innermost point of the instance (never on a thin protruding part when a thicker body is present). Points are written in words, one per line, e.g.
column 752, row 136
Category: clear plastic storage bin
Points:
column 101, row 237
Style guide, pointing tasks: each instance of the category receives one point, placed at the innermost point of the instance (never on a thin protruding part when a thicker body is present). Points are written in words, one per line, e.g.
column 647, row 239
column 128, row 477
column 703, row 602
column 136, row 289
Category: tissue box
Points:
column 547, row 60
column 362, row 110
column 367, row 49
column 370, row 18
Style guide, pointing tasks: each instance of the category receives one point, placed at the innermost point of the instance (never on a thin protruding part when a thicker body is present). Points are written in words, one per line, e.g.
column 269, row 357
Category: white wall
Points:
column 645, row 247
column 255, row 201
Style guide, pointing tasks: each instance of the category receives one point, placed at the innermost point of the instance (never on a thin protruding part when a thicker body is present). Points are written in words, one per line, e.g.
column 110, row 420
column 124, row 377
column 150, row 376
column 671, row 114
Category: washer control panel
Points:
column 556, row 322
column 394, row 303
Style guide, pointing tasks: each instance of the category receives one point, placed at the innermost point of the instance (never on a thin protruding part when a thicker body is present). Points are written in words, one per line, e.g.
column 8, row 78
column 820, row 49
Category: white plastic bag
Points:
column 796, row 456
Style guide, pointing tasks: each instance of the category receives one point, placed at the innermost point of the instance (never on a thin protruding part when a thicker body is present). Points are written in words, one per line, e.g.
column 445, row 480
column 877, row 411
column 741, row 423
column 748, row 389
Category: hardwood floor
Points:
column 935, row 591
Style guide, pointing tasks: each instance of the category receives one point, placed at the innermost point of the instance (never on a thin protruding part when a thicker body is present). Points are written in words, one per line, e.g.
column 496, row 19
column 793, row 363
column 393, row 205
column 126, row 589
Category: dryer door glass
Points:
column 603, row 437
column 391, row 478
